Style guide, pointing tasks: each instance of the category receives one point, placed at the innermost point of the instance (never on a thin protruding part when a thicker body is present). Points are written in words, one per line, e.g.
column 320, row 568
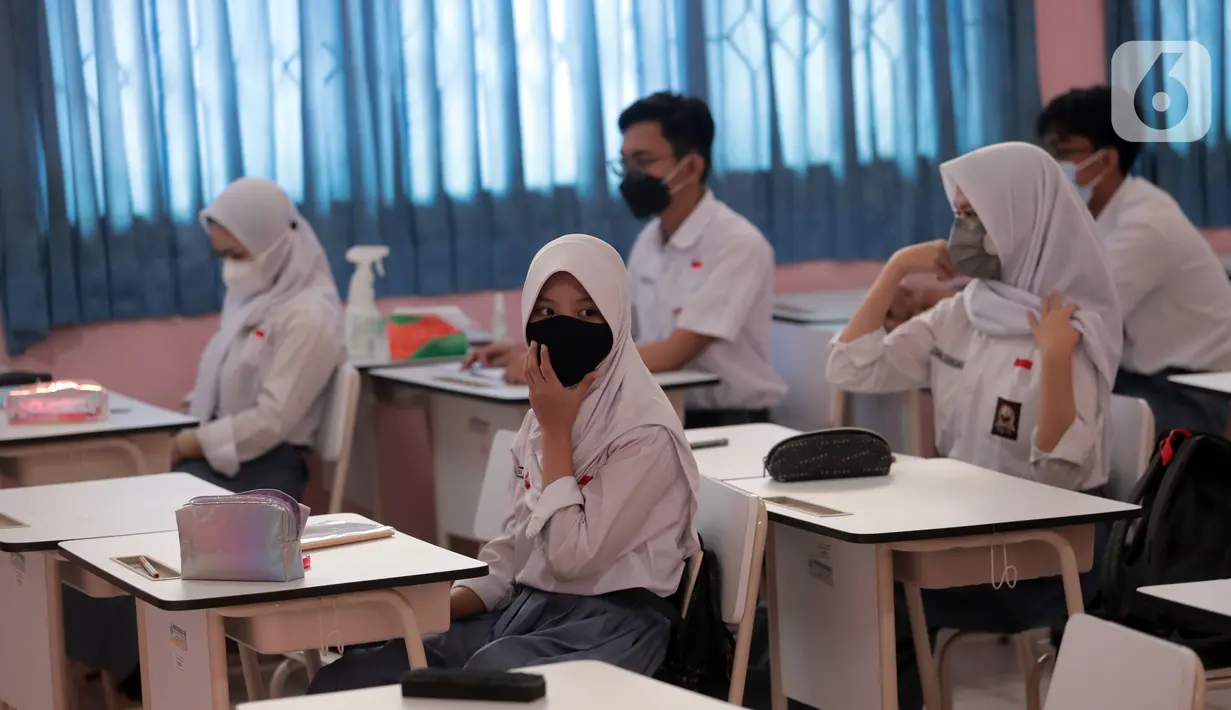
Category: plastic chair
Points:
column 493, row 506
column 733, row 524
column 1132, row 445
column 337, row 432
column 1142, row 673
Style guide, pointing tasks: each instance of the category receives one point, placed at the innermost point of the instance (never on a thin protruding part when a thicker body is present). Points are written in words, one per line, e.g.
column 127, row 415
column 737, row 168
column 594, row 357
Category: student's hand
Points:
column 928, row 257
column 555, row 405
column 464, row 603
column 185, row 447
column 499, row 354
column 515, row 371
column 1053, row 330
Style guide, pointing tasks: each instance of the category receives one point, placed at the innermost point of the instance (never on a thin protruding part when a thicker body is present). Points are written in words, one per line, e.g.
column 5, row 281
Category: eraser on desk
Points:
column 307, row 561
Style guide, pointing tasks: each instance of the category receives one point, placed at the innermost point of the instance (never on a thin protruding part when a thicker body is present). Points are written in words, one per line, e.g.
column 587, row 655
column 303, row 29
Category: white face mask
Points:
column 243, row 278
column 1085, row 192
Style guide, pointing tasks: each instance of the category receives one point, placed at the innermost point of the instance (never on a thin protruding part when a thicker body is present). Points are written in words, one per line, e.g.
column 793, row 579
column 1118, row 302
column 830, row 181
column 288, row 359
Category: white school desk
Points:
column 575, row 685
column 34, row 520
column 464, row 412
column 1207, row 602
column 362, row 476
column 359, row 593
column 1216, row 382
column 744, row 454
column 135, row 438
column 931, row 523
column 800, row 351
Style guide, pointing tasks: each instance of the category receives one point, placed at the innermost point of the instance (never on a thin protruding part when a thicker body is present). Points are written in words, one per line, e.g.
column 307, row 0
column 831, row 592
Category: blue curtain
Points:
column 1197, row 174
column 466, row 133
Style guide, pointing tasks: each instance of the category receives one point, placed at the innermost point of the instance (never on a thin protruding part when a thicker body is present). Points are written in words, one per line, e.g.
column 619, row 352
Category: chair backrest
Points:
column 493, row 496
column 733, row 524
column 1103, row 665
column 1132, row 444
column 337, row 431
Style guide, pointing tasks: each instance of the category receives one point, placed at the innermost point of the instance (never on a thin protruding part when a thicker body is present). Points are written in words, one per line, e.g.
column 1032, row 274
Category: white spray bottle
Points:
column 500, row 328
column 365, row 326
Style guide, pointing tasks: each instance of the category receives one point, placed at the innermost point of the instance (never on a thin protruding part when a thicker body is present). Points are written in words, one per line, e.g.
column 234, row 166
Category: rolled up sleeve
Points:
column 893, row 362
column 1068, row 464
column 720, row 305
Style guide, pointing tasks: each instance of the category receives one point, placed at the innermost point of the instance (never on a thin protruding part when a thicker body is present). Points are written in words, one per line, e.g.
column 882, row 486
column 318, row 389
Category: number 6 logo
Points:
column 1161, row 92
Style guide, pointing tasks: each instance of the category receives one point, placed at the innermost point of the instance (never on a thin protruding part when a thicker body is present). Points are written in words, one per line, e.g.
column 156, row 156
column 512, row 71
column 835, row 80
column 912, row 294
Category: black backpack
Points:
column 702, row 649
column 1183, row 535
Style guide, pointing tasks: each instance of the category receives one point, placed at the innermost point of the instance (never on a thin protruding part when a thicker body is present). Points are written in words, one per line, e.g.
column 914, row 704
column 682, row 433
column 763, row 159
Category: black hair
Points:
column 685, row 121
column 1087, row 113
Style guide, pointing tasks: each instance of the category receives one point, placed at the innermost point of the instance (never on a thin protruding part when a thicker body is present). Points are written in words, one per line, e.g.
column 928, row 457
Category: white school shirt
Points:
column 615, row 525
column 714, row 277
column 272, row 386
column 985, row 392
column 1172, row 287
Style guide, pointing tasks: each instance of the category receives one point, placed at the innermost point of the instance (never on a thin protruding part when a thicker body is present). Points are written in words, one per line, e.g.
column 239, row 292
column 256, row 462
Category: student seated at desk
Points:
column 1172, row 286
column 602, row 499
column 702, row 275
column 1020, row 364
column 262, row 377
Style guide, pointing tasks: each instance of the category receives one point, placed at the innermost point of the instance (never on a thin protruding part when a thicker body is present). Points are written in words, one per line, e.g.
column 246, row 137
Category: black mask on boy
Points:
column 645, row 194
column 576, row 347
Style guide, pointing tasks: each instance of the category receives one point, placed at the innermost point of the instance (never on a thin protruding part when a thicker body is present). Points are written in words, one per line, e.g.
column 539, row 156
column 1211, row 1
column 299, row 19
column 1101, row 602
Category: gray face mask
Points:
column 967, row 251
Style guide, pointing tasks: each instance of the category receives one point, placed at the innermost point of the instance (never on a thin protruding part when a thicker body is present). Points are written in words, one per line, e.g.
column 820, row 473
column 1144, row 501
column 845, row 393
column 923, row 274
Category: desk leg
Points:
column 923, row 646
column 887, row 628
column 183, row 659
column 33, row 670
column 776, row 692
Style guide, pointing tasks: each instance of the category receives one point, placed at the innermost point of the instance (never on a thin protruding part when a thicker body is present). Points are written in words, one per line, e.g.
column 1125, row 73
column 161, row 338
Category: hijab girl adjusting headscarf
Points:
column 280, row 338
column 605, row 496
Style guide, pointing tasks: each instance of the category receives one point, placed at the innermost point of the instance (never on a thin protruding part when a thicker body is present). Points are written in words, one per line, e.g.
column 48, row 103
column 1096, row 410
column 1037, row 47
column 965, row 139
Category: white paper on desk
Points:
column 486, row 377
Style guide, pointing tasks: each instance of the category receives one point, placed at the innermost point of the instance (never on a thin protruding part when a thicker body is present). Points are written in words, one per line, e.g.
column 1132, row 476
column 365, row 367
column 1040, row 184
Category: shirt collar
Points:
column 694, row 224
column 1107, row 217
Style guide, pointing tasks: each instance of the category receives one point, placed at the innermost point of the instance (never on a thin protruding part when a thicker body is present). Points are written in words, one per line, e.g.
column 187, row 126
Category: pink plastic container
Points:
column 58, row 402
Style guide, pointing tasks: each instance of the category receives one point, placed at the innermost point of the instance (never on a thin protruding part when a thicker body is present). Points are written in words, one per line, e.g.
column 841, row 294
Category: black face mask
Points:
column 576, row 347
column 645, row 195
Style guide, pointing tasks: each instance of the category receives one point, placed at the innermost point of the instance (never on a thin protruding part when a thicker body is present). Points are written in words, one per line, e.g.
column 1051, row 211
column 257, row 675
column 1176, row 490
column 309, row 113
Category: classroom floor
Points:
column 986, row 676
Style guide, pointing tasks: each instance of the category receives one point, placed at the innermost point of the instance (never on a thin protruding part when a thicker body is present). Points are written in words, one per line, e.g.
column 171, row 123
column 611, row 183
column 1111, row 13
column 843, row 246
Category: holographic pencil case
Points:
column 56, row 402
column 246, row 537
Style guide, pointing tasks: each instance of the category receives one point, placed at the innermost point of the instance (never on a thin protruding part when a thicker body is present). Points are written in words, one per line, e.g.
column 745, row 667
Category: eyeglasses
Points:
column 622, row 166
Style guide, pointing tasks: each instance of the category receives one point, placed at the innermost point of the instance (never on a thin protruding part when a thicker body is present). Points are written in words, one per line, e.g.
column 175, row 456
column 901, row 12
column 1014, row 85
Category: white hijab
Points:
column 625, row 396
column 262, row 217
column 1046, row 240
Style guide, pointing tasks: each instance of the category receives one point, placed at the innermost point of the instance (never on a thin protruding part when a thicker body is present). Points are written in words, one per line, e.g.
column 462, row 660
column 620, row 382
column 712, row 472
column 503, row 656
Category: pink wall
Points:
column 156, row 360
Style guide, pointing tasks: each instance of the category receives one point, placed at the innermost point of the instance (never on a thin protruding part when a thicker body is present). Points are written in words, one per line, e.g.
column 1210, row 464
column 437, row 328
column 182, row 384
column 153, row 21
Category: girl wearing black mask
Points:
column 602, row 497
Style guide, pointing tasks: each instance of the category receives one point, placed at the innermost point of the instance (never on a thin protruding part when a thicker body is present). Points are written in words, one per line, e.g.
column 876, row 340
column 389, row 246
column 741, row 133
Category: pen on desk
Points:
column 708, row 444
column 149, row 568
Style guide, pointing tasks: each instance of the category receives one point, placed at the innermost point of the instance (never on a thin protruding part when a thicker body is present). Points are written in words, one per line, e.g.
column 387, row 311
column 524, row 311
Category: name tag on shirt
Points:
column 947, row 359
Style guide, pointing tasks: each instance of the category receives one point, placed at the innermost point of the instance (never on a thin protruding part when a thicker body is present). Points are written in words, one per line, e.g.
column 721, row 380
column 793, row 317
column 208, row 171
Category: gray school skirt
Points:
column 536, row 628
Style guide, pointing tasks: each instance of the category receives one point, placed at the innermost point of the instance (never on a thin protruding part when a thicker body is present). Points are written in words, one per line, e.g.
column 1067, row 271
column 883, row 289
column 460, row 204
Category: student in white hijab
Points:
column 602, row 496
column 262, row 376
column 1020, row 365
column 258, row 390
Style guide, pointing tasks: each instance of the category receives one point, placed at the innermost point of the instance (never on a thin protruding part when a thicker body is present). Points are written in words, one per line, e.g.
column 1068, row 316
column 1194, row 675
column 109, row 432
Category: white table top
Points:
column 485, row 383
column 1213, row 596
column 398, row 561
column 744, row 454
column 577, row 684
column 127, row 416
column 924, row 499
column 1219, row 382
column 49, row 515
column 818, row 306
